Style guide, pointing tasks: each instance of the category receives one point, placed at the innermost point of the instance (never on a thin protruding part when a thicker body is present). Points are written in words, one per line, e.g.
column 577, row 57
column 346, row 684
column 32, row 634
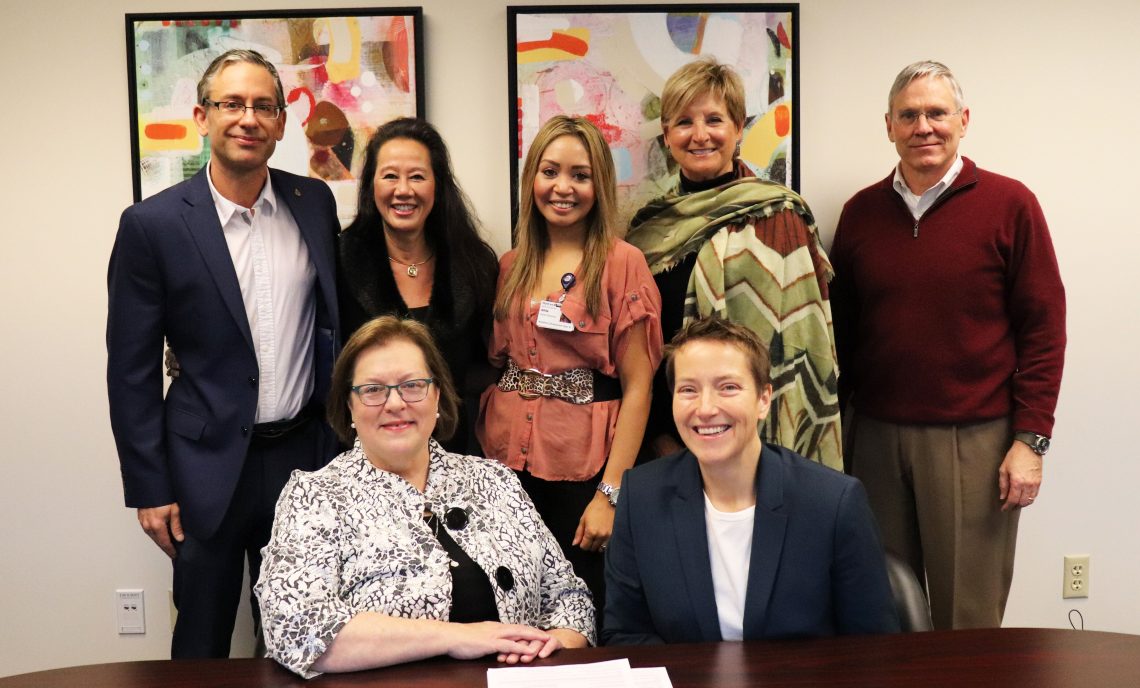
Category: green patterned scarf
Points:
column 672, row 226
column 775, row 286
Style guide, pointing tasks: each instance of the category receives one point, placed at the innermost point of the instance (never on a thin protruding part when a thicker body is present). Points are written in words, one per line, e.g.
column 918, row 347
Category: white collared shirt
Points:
column 917, row 204
column 277, row 286
column 730, row 553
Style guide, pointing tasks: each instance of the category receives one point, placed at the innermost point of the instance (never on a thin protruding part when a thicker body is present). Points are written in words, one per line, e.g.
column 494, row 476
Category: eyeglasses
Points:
column 232, row 108
column 936, row 116
column 376, row 394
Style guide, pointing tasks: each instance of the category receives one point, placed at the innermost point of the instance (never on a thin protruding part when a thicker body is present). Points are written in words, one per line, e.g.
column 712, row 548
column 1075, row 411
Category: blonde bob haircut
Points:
column 533, row 239
column 378, row 332
column 698, row 78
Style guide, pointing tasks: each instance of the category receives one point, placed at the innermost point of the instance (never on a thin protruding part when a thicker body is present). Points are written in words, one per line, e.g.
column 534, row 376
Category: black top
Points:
column 673, row 285
column 458, row 318
column 472, row 598
column 689, row 186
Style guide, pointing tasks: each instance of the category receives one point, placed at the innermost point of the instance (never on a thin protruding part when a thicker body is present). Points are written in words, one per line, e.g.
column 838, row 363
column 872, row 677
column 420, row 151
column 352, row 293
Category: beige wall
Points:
column 1052, row 87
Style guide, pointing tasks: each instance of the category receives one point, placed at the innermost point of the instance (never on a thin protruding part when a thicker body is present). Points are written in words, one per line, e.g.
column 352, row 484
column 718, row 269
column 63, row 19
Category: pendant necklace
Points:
column 413, row 268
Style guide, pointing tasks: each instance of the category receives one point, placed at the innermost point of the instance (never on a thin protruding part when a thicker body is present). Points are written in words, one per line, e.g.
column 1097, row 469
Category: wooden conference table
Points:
column 1009, row 658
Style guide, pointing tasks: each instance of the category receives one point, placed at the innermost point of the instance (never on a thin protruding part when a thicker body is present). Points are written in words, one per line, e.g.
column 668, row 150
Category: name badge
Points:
column 550, row 317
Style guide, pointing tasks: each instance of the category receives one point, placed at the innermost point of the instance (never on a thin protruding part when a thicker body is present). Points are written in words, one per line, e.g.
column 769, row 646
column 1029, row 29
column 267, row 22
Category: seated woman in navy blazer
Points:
column 734, row 539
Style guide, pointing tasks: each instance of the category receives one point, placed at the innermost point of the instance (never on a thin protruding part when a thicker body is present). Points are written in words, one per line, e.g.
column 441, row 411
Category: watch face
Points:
column 1042, row 445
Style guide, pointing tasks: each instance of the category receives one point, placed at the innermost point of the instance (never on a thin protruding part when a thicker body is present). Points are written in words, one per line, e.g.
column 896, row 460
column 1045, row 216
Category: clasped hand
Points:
column 512, row 643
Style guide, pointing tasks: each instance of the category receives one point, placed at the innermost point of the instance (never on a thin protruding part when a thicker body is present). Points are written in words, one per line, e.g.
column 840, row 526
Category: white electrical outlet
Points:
column 130, row 615
column 1076, row 578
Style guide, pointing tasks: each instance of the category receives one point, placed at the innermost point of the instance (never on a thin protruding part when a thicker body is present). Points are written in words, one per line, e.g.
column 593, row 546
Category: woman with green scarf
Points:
column 725, row 242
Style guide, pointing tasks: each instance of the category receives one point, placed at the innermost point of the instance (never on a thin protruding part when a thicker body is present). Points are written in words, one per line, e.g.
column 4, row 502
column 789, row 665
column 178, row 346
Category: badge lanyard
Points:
column 550, row 312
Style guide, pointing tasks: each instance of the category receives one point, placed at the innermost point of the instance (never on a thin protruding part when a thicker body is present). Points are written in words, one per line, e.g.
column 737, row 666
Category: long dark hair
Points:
column 451, row 226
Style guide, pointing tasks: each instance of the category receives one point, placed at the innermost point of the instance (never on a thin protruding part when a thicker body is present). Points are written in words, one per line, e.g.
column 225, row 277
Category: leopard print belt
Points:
column 578, row 386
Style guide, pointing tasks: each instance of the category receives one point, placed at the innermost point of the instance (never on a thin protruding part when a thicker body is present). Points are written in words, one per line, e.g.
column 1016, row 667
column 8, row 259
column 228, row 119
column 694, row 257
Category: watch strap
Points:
column 610, row 492
column 1038, row 443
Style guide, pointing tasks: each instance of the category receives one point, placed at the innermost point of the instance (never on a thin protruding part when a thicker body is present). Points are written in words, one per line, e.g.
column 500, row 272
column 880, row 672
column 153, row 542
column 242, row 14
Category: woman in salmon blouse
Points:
column 578, row 336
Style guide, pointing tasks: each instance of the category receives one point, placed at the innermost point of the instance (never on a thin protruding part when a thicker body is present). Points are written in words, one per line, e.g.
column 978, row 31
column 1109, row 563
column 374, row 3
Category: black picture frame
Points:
column 629, row 54
column 360, row 66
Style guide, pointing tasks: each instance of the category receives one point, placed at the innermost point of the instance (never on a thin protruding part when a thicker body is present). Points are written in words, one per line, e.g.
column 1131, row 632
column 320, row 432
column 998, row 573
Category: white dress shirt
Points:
column 277, row 286
column 917, row 204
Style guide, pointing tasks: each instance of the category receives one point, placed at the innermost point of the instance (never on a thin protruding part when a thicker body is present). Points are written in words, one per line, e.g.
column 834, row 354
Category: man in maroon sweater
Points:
column 950, row 324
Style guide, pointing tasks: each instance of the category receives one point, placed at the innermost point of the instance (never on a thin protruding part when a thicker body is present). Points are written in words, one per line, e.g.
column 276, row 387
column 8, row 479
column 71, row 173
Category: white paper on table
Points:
column 612, row 674
column 651, row 677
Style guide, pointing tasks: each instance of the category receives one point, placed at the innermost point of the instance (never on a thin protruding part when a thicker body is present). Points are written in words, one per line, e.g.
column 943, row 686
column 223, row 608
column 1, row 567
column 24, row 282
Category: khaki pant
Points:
column 934, row 491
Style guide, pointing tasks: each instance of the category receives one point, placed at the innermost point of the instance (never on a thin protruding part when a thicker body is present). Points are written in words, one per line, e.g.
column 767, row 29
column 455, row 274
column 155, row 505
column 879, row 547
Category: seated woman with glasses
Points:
column 398, row 550
column 735, row 539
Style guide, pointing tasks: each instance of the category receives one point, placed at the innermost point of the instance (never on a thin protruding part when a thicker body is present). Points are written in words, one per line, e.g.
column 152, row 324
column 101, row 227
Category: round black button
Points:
column 244, row 431
column 505, row 578
column 455, row 518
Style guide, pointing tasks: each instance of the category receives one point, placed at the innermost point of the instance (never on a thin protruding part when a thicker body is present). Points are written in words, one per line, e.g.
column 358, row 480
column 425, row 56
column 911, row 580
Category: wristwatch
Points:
column 610, row 492
column 1038, row 443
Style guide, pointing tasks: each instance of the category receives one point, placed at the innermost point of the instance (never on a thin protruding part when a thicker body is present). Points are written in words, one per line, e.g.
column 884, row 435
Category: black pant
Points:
column 208, row 572
column 561, row 503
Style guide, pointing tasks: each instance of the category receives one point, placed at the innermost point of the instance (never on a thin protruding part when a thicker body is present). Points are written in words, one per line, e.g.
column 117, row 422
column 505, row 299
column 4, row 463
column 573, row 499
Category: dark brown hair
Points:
column 718, row 329
column 233, row 57
column 451, row 227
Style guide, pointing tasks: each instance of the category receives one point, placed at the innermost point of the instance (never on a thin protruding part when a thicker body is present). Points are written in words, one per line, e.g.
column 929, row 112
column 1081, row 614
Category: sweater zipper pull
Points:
column 916, row 229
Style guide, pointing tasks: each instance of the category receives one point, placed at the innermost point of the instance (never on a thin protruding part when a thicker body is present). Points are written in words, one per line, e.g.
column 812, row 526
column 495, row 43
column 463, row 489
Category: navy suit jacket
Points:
column 171, row 277
column 817, row 566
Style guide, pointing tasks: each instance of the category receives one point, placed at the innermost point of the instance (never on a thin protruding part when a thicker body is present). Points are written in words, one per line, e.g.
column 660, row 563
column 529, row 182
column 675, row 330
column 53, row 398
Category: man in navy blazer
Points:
column 234, row 268
column 815, row 566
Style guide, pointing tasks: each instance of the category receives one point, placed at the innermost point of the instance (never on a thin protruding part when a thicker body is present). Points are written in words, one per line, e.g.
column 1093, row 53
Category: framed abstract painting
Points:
column 344, row 73
column 608, row 63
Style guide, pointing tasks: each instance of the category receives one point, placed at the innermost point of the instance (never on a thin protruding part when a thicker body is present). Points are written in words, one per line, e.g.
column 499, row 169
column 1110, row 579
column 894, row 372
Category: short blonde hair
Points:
column 703, row 76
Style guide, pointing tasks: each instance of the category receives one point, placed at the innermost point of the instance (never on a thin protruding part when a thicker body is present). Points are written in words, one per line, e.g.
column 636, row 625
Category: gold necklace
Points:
column 413, row 268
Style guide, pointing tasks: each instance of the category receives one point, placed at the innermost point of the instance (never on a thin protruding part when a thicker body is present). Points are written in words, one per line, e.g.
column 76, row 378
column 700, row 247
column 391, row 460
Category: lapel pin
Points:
column 296, row 192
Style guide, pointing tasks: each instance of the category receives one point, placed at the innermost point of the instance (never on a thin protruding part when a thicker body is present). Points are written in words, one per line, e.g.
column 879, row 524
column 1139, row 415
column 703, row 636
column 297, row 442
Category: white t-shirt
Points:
column 730, row 550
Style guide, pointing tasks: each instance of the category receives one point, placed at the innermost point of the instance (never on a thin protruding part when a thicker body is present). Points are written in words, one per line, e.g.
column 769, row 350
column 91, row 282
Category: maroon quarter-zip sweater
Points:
column 955, row 318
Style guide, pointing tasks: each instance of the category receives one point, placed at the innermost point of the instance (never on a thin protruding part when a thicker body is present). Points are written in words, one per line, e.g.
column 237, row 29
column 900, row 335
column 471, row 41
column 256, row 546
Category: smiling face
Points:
column 240, row 143
column 717, row 404
column 564, row 184
column 926, row 149
column 395, row 435
column 404, row 185
column 702, row 138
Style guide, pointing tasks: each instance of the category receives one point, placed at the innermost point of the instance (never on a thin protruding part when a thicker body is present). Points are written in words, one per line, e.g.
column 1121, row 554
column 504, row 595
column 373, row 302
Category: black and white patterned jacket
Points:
column 351, row 538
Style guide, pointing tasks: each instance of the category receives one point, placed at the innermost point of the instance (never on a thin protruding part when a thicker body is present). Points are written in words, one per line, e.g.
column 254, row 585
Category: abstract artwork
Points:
column 344, row 73
column 609, row 63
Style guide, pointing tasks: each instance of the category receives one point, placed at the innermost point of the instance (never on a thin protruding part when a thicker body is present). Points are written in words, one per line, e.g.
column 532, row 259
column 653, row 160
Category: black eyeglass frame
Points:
column 399, row 387
column 259, row 109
